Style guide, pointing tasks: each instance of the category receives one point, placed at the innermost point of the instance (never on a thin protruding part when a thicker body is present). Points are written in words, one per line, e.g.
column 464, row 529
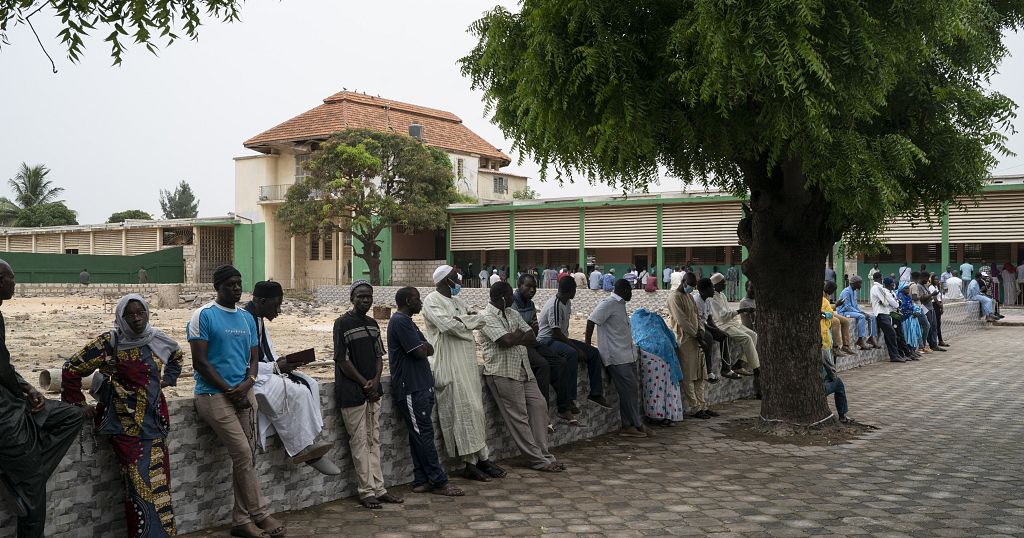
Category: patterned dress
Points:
column 131, row 409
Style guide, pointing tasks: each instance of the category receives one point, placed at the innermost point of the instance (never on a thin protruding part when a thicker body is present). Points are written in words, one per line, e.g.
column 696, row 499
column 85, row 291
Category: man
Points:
column 595, row 278
column 727, row 320
column 872, row 271
column 967, row 271
column 710, row 333
column 666, row 277
column 225, row 348
column 608, row 280
column 684, row 319
column 830, row 274
column 651, row 282
column 954, row 287
column 358, row 364
column 676, row 279
column 289, row 401
column 554, row 333
column 904, row 273
column 495, row 278
column 460, row 403
column 748, row 305
column 550, row 278
column 83, row 277
column 840, row 326
column 641, row 279
column 927, row 298
column 412, row 387
column 578, row 276
column 975, row 293
column 847, row 306
column 504, row 338
column 945, row 275
column 615, row 341
column 732, row 278
column 143, row 275
column 35, row 433
column 882, row 304
column 549, row 368
column 484, row 275
column 833, row 385
column 1020, row 283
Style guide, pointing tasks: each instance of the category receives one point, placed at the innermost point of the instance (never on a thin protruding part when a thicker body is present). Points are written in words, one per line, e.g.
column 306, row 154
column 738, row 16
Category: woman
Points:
column 136, row 361
column 908, row 310
column 663, row 401
column 1009, row 277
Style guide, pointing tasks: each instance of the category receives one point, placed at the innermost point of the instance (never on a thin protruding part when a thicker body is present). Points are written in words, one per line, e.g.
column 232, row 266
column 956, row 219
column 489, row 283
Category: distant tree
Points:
column 122, row 216
column 526, row 194
column 51, row 214
column 142, row 22
column 364, row 182
column 463, row 198
column 31, row 188
column 180, row 204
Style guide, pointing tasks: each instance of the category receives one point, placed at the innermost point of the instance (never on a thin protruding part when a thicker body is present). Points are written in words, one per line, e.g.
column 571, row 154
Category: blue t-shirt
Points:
column 608, row 282
column 231, row 333
column 408, row 373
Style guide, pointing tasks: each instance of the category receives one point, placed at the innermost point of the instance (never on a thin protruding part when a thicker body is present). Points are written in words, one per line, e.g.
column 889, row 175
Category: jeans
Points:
column 557, row 375
column 901, row 342
column 592, row 357
column 837, row 388
column 986, row 305
column 866, row 324
column 932, row 334
column 926, row 328
column 884, row 322
column 416, row 409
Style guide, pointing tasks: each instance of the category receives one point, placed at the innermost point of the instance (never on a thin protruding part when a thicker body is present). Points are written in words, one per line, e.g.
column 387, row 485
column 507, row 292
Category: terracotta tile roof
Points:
column 349, row 110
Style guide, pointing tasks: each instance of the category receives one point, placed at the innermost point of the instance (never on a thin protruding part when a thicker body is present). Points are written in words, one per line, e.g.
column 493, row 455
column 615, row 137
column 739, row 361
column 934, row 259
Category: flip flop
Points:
column 551, row 468
column 277, row 532
column 372, row 503
column 390, row 499
column 448, row 490
column 491, row 469
column 245, row 533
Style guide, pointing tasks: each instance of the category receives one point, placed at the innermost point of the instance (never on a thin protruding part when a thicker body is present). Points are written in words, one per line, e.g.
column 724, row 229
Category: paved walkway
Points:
column 947, row 460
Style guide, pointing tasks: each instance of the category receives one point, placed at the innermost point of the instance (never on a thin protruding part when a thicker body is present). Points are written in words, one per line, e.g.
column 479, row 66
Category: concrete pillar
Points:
column 197, row 261
column 92, row 242
column 291, row 267
column 61, row 243
column 33, row 243
column 124, row 241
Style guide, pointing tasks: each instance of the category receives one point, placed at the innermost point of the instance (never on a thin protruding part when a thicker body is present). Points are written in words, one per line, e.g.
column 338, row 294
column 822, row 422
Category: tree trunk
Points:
column 371, row 255
column 788, row 240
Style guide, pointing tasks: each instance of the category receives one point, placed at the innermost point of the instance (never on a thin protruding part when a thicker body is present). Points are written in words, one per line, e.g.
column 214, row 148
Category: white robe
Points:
column 287, row 408
column 1009, row 287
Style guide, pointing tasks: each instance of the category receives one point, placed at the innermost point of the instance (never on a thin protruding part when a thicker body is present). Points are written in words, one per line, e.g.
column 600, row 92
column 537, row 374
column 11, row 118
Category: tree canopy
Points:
column 122, row 216
column 143, row 22
column 180, row 204
column 365, row 181
column 829, row 118
column 31, row 188
column 50, row 214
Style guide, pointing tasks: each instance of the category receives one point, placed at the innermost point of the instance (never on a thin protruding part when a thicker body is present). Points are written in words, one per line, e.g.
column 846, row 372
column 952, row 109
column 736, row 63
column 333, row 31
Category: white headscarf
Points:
column 124, row 338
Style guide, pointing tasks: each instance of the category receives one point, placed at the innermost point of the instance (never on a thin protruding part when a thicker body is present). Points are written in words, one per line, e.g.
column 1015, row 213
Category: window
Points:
column 314, row 246
column 460, row 168
column 71, row 251
column 500, row 185
column 328, row 245
column 300, row 171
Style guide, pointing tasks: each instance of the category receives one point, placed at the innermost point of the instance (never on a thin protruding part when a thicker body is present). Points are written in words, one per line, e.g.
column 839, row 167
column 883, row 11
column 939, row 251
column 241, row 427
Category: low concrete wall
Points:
column 86, row 498
column 99, row 290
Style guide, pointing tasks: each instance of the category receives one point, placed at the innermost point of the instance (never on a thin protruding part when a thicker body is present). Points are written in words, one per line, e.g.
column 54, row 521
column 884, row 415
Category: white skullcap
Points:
column 441, row 272
column 716, row 278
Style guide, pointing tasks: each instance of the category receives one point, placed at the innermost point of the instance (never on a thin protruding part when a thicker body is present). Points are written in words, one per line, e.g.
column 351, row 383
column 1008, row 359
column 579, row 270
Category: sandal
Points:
column 278, row 529
column 372, row 503
column 448, row 490
column 247, row 531
column 390, row 499
column 551, row 468
column 471, row 472
column 665, row 423
column 491, row 469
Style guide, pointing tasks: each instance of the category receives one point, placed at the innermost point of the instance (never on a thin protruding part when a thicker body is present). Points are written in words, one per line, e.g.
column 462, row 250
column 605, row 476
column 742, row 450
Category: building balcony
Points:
column 272, row 193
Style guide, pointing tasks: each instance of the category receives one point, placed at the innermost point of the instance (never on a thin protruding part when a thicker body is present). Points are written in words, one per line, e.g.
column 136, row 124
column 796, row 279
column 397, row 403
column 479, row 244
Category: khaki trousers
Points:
column 840, row 330
column 363, row 425
column 694, row 389
column 525, row 412
column 234, row 428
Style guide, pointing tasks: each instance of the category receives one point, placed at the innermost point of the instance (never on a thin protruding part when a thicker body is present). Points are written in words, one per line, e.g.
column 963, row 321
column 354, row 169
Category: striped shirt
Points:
column 554, row 314
column 511, row 362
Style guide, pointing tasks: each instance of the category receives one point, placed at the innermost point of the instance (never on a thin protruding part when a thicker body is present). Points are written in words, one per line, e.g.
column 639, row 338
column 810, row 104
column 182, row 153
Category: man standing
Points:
column 727, row 320
column 358, row 364
column 289, row 401
column 550, row 277
column 872, row 271
column 847, row 306
column 484, row 275
column 732, row 278
column 1020, row 283
column 904, row 273
column 882, row 304
column 685, row 321
column 946, row 274
column 615, row 341
column 412, row 387
column 503, row 338
column 954, row 287
column 595, row 279
column 608, row 280
column 579, row 277
column 83, row 277
column 460, row 403
column 495, row 278
column 225, row 355
column 548, row 367
column 666, row 277
column 35, row 433
column 676, row 279
column 143, row 275
column 967, row 271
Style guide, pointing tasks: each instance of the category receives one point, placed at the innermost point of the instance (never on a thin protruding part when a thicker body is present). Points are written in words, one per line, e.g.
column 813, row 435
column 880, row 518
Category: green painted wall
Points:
column 166, row 266
column 250, row 253
column 359, row 267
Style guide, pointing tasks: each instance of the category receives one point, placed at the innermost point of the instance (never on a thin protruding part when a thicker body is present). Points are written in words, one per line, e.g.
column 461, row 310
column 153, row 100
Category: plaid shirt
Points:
column 511, row 362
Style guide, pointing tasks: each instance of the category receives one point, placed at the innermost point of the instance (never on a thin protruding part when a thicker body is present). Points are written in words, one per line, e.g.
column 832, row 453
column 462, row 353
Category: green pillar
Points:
column 945, row 236
column 512, row 265
column 659, row 254
column 840, row 263
column 583, row 246
column 448, row 241
column 743, row 274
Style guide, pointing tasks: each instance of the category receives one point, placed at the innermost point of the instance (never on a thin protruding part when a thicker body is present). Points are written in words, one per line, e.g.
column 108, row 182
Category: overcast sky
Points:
column 114, row 136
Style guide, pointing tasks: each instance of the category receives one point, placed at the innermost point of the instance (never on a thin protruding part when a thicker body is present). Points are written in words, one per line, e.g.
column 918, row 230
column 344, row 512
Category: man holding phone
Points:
column 728, row 321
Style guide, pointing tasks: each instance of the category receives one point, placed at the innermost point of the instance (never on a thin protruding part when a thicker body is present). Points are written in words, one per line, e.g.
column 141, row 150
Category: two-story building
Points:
column 262, row 180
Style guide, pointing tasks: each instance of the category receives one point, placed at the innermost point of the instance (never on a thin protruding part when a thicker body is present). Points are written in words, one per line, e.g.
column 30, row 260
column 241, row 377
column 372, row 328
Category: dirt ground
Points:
column 42, row 332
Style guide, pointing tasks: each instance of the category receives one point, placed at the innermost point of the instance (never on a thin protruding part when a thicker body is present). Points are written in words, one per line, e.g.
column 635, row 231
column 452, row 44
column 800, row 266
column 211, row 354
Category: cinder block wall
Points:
column 414, row 272
column 85, row 493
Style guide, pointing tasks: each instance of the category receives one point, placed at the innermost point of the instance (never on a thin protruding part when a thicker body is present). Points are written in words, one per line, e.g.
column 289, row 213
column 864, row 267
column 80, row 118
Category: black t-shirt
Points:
column 408, row 373
column 356, row 339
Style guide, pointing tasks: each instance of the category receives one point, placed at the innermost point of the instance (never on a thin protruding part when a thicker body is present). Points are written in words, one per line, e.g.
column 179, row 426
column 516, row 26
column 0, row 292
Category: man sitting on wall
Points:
column 728, row 321
column 847, row 306
column 549, row 368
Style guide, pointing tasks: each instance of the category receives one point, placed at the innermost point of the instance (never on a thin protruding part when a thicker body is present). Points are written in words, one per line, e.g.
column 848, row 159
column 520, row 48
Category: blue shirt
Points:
column 666, row 274
column 230, row 334
column 967, row 271
column 973, row 291
column 409, row 374
column 608, row 282
column 850, row 304
column 595, row 280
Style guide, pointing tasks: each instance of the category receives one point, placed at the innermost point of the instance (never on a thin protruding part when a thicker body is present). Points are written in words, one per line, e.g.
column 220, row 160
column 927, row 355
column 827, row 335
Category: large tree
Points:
column 50, row 214
column 364, row 182
column 830, row 118
column 31, row 188
column 122, row 216
column 179, row 204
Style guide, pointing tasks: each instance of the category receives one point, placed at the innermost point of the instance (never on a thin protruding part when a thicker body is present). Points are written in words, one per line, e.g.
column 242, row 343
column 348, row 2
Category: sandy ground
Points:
column 42, row 332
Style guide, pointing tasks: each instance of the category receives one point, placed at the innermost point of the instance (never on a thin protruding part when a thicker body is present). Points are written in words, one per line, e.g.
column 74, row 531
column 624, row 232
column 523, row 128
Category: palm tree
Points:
column 31, row 188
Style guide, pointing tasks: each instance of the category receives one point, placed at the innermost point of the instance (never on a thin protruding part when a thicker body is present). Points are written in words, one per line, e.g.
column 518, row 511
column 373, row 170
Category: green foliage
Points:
column 31, row 188
column 144, row 22
column 871, row 109
column 364, row 181
column 49, row 214
column 180, row 204
column 463, row 198
column 122, row 216
column 526, row 194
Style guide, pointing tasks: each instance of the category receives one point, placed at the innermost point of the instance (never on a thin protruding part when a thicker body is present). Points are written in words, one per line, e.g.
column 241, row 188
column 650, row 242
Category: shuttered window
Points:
column 21, row 243
column 77, row 240
column 999, row 217
column 48, row 244
column 554, row 228
column 700, row 224
column 108, row 242
column 621, row 227
column 479, row 231
column 143, row 241
column 904, row 230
